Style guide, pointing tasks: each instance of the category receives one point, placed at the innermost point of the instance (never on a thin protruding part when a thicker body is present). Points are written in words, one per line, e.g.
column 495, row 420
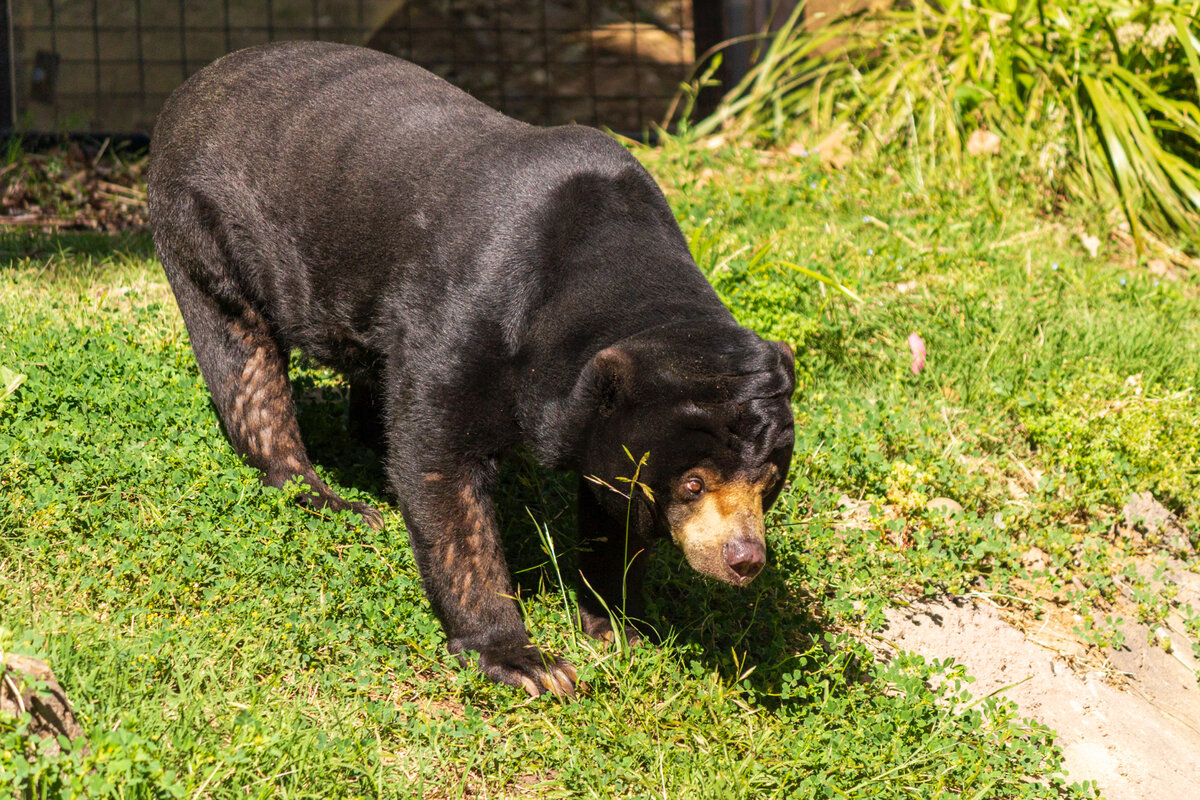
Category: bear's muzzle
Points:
column 722, row 534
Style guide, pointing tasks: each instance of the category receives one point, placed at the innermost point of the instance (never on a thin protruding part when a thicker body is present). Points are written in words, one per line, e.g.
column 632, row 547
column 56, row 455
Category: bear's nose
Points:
column 745, row 557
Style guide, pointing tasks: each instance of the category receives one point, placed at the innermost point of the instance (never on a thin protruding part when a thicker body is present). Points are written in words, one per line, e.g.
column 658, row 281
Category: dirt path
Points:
column 1140, row 741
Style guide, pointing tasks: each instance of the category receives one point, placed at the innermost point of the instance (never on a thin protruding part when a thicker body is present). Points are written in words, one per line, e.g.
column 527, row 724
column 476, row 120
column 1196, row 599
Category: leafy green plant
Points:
column 1101, row 95
column 1106, row 635
column 1115, row 437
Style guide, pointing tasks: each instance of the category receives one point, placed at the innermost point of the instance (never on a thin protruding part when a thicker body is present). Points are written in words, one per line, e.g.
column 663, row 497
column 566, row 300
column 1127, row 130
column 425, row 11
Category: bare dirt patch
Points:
column 1133, row 728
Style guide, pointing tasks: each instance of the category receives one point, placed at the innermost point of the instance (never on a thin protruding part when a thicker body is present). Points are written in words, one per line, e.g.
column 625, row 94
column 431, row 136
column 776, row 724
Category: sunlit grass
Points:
column 220, row 641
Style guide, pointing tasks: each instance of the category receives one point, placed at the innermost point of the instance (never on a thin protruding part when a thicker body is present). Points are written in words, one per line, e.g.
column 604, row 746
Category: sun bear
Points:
column 483, row 284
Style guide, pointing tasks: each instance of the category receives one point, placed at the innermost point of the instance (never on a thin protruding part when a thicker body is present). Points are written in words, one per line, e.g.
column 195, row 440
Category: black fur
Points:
column 483, row 283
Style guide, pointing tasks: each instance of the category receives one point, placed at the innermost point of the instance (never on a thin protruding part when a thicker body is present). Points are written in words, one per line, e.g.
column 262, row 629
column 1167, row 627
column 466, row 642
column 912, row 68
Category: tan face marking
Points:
column 724, row 512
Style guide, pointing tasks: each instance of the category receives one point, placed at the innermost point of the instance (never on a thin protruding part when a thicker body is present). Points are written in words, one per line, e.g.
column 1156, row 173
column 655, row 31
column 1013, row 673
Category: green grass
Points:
column 219, row 641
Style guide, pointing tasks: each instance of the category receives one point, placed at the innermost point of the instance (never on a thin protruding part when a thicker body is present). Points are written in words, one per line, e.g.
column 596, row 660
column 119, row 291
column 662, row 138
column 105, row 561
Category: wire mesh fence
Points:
column 91, row 66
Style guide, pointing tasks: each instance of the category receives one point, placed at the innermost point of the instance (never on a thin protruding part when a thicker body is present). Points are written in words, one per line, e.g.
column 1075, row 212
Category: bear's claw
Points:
column 371, row 517
column 529, row 668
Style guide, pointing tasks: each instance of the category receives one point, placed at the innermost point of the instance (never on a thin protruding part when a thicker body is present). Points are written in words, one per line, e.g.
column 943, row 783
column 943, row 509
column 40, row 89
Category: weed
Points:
column 1114, row 437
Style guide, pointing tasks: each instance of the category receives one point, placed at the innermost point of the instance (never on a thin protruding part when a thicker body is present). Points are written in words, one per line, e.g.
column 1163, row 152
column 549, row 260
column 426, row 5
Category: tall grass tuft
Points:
column 1102, row 95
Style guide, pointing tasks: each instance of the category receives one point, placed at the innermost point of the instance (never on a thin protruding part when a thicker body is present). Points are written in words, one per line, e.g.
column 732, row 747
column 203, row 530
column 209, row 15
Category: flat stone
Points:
column 20, row 679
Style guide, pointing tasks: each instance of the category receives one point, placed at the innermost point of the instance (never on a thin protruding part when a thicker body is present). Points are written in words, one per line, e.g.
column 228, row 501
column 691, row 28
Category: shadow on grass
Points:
column 766, row 624
column 20, row 245
column 724, row 628
column 321, row 410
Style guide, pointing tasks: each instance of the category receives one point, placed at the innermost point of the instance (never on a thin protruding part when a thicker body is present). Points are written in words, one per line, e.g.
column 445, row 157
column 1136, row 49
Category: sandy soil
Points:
column 1130, row 722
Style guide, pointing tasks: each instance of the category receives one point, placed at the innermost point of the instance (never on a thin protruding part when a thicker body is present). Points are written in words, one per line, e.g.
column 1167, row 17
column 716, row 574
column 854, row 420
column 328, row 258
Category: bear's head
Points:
column 706, row 409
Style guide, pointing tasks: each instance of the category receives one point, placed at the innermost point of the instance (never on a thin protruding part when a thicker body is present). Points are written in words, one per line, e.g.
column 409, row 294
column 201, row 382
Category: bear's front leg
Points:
column 612, row 569
column 453, row 530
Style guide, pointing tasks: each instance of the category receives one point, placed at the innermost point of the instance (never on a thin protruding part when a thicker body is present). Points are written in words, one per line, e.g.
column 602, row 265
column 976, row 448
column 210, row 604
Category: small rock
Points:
column 854, row 513
column 52, row 714
column 833, row 148
column 1035, row 559
column 983, row 142
column 944, row 505
column 1162, row 268
column 798, row 150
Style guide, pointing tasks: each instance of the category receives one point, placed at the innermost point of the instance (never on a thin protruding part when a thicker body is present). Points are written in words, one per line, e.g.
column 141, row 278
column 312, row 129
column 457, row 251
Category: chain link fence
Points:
column 106, row 66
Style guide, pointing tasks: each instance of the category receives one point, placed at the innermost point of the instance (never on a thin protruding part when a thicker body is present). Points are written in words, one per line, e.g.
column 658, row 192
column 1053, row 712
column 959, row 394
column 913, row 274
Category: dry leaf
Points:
column 917, row 345
column 1090, row 243
column 944, row 506
column 832, row 148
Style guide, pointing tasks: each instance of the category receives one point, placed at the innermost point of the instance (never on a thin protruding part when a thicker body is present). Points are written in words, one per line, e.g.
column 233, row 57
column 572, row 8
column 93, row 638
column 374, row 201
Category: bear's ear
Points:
column 612, row 370
column 789, row 355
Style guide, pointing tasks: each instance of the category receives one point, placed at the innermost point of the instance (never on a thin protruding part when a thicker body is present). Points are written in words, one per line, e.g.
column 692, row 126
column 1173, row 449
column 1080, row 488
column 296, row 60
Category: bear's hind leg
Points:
column 246, row 373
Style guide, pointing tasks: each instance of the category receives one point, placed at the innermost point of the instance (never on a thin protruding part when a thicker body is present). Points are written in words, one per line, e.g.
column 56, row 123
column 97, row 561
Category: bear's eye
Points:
column 694, row 485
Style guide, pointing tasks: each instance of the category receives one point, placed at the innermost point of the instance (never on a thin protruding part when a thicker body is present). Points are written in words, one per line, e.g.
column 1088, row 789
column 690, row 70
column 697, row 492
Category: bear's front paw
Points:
column 325, row 499
column 529, row 668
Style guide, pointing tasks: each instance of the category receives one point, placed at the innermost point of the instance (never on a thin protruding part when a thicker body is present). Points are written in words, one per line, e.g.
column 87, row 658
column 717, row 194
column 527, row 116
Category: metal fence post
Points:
column 708, row 30
column 8, row 94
